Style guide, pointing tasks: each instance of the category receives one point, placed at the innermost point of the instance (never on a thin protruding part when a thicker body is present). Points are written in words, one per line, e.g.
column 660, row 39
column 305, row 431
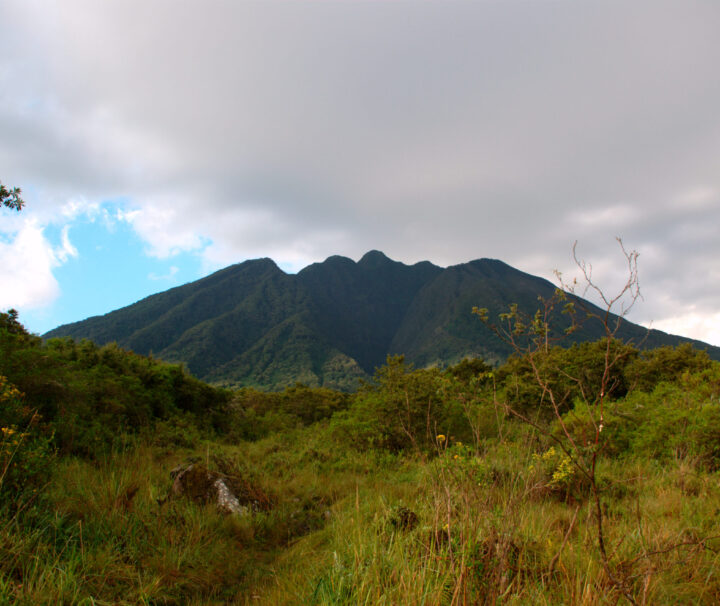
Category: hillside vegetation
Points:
column 463, row 485
column 332, row 324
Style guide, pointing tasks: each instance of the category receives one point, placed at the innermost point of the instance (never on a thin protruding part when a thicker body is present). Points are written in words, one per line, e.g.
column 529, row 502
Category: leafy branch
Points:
column 10, row 198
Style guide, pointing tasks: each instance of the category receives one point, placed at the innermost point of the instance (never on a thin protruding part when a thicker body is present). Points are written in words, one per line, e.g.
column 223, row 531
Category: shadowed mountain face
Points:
column 333, row 322
column 358, row 307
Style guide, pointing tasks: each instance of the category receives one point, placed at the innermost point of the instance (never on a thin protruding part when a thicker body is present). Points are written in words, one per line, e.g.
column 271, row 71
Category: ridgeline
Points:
column 334, row 322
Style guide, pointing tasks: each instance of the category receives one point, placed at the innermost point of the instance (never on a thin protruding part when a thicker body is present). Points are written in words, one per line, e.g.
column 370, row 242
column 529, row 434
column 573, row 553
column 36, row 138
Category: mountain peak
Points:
column 262, row 264
column 374, row 257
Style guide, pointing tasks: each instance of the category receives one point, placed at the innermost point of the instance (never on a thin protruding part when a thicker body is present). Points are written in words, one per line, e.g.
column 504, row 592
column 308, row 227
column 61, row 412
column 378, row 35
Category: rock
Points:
column 198, row 483
column 226, row 500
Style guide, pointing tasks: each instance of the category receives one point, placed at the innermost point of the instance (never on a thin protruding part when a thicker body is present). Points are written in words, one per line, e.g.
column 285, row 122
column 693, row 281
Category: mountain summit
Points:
column 332, row 323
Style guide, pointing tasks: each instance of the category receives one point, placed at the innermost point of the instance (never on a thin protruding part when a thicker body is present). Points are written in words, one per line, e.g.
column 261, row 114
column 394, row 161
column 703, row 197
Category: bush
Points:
column 572, row 374
column 680, row 418
column 620, row 421
column 664, row 364
column 178, row 431
column 403, row 409
column 26, row 453
column 90, row 395
column 677, row 422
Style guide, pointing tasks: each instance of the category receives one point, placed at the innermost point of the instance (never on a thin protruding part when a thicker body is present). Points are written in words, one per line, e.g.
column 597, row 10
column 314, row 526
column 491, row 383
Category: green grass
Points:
column 343, row 521
column 487, row 531
column 359, row 501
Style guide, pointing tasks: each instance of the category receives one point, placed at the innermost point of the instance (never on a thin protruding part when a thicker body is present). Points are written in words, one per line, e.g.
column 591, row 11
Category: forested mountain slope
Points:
column 332, row 323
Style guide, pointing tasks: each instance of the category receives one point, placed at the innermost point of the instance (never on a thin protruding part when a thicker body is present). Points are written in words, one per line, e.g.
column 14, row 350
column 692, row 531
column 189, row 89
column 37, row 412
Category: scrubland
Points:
column 464, row 485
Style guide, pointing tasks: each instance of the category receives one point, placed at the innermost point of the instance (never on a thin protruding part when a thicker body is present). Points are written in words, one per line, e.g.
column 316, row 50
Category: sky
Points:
column 156, row 142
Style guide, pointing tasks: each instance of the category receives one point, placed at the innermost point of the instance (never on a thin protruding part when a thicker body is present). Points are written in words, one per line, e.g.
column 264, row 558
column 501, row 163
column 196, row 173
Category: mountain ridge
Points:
column 333, row 322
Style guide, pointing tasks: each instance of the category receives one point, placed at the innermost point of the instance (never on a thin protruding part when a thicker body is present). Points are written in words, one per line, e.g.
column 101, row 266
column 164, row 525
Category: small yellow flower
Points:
column 549, row 454
column 440, row 438
column 8, row 431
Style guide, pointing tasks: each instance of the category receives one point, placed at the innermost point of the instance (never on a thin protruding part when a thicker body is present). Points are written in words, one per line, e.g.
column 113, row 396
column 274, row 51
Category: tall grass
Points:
column 487, row 533
column 348, row 527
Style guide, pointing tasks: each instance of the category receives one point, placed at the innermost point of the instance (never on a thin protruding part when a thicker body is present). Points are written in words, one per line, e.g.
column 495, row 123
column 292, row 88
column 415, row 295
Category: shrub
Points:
column 403, row 409
column 678, row 421
column 664, row 364
column 177, row 431
column 90, row 395
column 679, row 418
column 26, row 454
column 572, row 374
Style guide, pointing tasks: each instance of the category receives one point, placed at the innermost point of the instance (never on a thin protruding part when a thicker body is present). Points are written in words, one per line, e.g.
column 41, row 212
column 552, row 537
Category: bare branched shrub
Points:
column 531, row 338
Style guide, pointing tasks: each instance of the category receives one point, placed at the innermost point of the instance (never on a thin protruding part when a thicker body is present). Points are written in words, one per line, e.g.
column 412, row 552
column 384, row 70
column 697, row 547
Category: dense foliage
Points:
column 423, row 486
column 90, row 396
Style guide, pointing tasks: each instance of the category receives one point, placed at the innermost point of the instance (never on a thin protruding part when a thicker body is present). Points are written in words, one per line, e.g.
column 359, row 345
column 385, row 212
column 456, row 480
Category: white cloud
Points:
column 168, row 276
column 26, row 270
column 166, row 234
column 26, row 273
column 66, row 248
column 76, row 207
column 619, row 216
column 694, row 324
column 698, row 198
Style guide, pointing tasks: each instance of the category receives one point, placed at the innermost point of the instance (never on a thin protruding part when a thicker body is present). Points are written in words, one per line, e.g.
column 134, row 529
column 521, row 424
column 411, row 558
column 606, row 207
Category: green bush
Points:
column 582, row 423
column 403, row 409
column 26, row 453
column 177, row 431
column 664, row 364
column 677, row 422
column 90, row 395
column 677, row 419
column 571, row 374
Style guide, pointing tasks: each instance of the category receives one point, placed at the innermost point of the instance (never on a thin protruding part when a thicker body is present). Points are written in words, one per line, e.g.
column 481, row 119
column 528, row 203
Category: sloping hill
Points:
column 333, row 322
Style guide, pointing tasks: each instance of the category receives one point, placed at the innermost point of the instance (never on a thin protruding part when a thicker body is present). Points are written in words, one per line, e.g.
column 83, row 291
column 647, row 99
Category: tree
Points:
column 10, row 198
column 9, row 321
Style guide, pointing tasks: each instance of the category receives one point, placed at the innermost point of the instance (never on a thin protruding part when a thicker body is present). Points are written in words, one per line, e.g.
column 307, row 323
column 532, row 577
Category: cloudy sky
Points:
column 158, row 141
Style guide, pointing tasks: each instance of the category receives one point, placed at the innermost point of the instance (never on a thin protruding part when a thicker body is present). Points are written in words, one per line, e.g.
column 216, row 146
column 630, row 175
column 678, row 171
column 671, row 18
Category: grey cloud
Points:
column 440, row 130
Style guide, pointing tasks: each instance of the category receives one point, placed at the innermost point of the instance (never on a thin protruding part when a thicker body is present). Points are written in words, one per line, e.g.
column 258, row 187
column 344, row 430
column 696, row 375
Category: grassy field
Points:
column 349, row 527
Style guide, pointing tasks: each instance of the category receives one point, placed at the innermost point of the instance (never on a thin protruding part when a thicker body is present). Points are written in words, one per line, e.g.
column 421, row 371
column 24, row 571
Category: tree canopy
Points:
column 10, row 198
